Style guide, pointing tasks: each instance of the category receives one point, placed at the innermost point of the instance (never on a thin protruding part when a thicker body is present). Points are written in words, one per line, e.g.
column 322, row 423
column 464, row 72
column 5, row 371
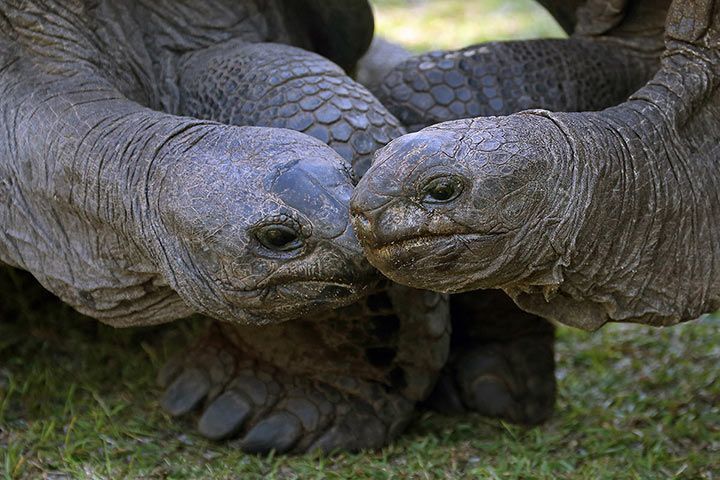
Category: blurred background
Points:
column 422, row 25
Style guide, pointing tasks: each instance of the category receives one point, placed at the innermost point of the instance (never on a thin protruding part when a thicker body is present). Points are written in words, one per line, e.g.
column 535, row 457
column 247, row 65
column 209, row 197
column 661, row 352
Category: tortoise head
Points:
column 258, row 227
column 464, row 205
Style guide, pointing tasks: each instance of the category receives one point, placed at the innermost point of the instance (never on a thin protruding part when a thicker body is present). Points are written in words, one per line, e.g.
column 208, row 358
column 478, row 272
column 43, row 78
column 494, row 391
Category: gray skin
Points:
column 135, row 213
column 277, row 85
column 136, row 216
column 127, row 200
column 583, row 218
column 613, row 49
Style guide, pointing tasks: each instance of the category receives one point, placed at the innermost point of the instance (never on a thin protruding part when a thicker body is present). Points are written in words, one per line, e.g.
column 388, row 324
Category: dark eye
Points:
column 442, row 190
column 279, row 238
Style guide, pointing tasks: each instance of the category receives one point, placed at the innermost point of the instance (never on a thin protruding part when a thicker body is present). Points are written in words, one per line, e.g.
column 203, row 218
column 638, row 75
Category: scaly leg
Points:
column 501, row 362
column 500, row 78
column 346, row 380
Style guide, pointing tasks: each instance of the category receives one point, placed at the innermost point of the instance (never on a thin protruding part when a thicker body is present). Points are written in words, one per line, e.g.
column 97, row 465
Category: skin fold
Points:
column 168, row 214
column 581, row 218
column 124, row 196
column 611, row 52
column 142, row 251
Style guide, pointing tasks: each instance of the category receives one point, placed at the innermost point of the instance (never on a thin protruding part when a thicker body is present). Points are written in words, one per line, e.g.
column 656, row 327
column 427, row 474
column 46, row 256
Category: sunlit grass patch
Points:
column 441, row 24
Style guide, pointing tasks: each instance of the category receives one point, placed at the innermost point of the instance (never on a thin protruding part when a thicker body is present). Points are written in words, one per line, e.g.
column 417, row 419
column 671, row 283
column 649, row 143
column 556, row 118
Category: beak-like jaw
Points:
column 347, row 264
column 425, row 248
column 396, row 239
column 333, row 275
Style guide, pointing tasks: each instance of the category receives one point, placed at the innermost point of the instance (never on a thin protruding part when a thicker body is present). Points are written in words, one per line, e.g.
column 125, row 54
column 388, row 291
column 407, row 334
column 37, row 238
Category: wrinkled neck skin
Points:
column 77, row 194
column 83, row 161
column 138, row 43
column 76, row 156
column 92, row 183
column 656, row 156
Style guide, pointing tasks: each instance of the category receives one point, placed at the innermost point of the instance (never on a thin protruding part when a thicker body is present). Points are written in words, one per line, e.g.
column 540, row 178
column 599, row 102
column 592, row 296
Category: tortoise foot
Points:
column 502, row 361
column 514, row 381
column 235, row 396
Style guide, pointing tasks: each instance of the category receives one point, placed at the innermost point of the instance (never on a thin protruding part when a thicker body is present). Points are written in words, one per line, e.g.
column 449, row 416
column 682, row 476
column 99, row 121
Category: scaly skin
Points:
column 288, row 87
column 279, row 85
column 274, row 85
column 582, row 218
column 614, row 50
column 347, row 380
column 356, row 372
column 501, row 78
column 137, row 216
column 146, row 197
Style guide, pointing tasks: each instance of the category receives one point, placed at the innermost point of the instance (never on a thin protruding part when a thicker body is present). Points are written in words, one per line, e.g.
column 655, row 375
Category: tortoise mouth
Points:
column 446, row 263
column 280, row 303
column 297, row 294
column 420, row 241
column 284, row 287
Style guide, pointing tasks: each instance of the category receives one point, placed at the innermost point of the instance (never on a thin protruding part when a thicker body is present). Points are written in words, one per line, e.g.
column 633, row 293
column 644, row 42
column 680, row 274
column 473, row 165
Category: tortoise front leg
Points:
column 501, row 362
column 346, row 380
column 266, row 406
column 500, row 78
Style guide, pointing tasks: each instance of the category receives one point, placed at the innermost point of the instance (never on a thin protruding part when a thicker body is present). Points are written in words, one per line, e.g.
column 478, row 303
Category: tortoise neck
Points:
column 652, row 159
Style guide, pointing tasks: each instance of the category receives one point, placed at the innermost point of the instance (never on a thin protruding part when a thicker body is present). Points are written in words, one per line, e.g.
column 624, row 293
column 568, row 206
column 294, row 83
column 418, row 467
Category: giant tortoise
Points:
column 582, row 217
column 143, row 178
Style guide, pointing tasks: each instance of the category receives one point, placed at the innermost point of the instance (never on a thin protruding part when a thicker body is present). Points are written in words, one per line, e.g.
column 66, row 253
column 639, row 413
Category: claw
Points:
column 278, row 432
column 186, row 392
column 357, row 433
column 268, row 410
column 225, row 416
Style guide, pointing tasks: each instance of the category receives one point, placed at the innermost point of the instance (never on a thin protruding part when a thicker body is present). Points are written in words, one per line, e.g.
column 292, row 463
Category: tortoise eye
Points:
column 442, row 190
column 279, row 238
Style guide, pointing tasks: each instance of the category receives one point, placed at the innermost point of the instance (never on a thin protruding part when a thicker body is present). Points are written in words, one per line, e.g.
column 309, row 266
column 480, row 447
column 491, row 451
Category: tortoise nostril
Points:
column 355, row 209
column 362, row 223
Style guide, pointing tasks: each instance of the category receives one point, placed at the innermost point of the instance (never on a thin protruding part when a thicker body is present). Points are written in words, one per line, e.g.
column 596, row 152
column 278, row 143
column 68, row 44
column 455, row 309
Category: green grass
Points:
column 441, row 24
column 78, row 400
